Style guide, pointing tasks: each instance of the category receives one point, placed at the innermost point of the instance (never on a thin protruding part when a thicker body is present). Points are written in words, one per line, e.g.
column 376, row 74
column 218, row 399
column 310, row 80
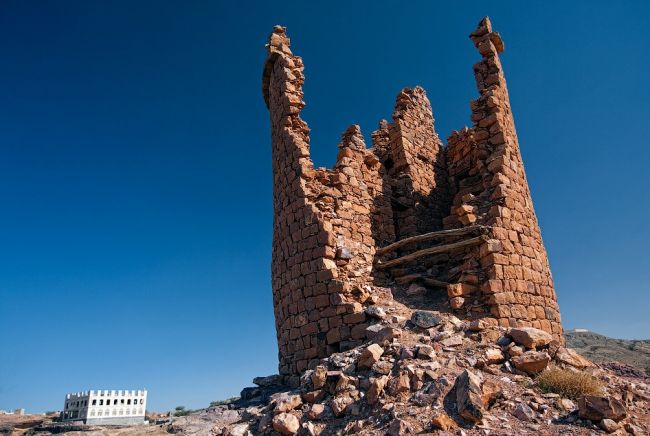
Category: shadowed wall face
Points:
column 329, row 223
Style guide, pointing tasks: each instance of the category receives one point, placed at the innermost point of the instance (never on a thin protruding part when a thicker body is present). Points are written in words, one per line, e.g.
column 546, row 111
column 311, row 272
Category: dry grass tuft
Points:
column 567, row 383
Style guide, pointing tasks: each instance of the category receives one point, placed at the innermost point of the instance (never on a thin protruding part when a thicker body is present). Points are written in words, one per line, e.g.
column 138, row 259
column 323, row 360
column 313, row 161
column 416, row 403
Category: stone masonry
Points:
column 333, row 228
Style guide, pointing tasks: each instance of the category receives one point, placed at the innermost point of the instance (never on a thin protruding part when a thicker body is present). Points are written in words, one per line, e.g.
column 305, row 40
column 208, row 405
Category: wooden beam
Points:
column 433, row 250
column 429, row 281
column 426, row 279
column 428, row 237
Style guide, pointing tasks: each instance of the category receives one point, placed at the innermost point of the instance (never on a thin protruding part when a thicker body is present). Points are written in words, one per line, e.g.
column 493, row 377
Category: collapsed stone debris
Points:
column 414, row 383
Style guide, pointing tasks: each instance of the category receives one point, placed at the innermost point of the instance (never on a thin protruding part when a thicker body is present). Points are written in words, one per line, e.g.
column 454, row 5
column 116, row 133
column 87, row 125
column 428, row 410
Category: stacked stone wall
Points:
column 415, row 163
column 328, row 223
column 487, row 174
column 324, row 224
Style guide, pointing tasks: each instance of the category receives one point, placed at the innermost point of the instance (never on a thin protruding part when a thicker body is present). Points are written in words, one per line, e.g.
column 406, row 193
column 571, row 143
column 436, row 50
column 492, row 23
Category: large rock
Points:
column 426, row 352
column 286, row 402
column 494, row 355
column 399, row 427
column 524, row 413
column 370, row 356
column 375, row 312
column 530, row 337
column 532, row 362
column 442, row 421
column 239, row 430
column 376, row 388
column 313, row 396
column 382, row 333
column 570, row 357
column 400, row 385
column 340, row 404
column 286, row 423
column 425, row 319
column 270, row 380
column 317, row 411
column 468, row 396
column 609, row 425
column 319, row 377
column 595, row 408
column 491, row 391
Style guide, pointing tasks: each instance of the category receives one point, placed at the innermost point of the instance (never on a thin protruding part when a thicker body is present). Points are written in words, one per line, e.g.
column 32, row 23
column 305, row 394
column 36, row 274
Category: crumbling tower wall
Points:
column 488, row 177
column 414, row 159
column 323, row 244
column 334, row 228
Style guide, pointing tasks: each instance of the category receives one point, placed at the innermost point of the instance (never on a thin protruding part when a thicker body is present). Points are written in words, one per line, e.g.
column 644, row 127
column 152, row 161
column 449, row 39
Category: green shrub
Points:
column 181, row 411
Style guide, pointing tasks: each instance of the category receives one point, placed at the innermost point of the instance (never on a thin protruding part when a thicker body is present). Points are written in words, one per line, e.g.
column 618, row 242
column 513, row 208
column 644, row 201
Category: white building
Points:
column 106, row 407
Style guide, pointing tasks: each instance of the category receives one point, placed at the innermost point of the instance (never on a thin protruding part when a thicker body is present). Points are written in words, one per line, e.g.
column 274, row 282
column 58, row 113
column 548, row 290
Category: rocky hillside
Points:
column 427, row 372
column 424, row 372
column 599, row 348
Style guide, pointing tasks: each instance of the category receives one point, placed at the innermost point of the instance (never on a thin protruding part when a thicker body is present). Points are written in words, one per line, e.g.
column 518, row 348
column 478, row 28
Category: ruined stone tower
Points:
column 457, row 220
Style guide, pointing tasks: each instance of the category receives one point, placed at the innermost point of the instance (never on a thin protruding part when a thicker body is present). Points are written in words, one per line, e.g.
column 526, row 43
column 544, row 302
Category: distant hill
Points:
column 599, row 348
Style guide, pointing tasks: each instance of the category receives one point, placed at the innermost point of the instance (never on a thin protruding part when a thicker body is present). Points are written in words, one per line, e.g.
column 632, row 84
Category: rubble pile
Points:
column 426, row 371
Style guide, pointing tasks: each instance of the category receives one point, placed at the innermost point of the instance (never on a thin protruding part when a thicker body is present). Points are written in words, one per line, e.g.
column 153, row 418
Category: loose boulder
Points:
column 319, row 376
column 532, row 362
column 399, row 427
column 570, row 357
column 286, row 423
column 530, row 337
column 340, row 404
column 596, row 408
column 286, row 402
column 370, row 356
column 442, row 421
column 376, row 389
column 468, row 397
column 524, row 413
column 424, row 319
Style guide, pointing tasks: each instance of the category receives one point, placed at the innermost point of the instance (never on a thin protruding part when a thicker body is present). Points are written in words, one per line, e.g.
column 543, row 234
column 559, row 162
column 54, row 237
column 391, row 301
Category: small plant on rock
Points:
column 181, row 411
column 568, row 383
column 224, row 402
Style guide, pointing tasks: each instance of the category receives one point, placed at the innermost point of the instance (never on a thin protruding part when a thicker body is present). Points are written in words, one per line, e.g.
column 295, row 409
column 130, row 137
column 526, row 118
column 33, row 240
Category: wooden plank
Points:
column 428, row 237
column 429, row 251
column 427, row 280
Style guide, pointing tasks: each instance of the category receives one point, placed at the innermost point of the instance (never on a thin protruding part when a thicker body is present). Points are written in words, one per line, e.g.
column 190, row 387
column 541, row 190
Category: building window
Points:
column 94, row 402
column 114, row 412
column 115, row 401
column 127, row 412
column 99, row 413
column 128, row 401
column 122, row 401
column 101, row 402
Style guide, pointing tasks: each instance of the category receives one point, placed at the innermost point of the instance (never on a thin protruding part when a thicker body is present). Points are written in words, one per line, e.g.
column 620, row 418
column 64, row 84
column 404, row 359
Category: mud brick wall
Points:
column 328, row 223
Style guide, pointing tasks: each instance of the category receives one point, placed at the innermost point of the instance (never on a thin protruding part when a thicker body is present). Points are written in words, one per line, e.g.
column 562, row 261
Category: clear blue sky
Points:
column 135, row 170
